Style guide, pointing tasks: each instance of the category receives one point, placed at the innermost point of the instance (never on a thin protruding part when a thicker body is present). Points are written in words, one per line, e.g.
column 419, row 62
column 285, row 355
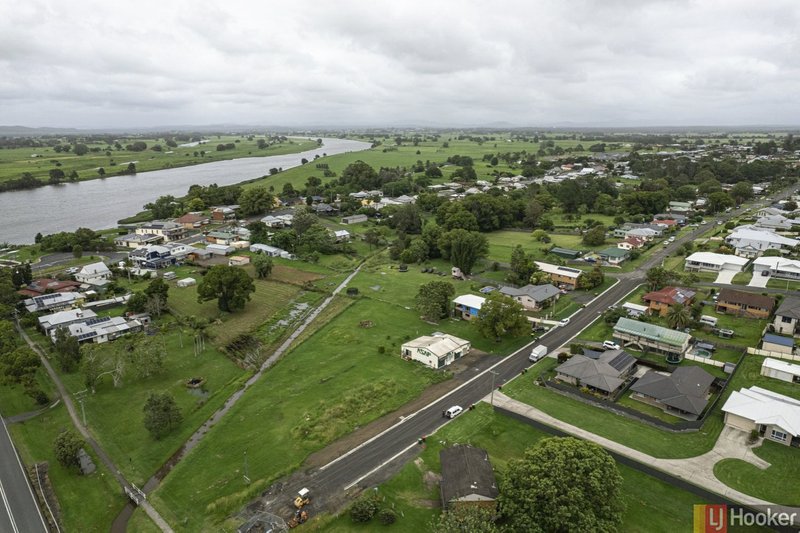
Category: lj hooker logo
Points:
column 710, row 518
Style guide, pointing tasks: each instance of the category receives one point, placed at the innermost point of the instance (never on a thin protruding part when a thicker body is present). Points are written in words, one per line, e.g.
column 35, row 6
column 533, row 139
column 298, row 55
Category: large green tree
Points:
column 678, row 316
column 562, row 484
column 255, row 201
column 68, row 350
column 500, row 316
column 263, row 265
column 522, row 266
column 465, row 519
column 161, row 414
column 230, row 286
column 463, row 248
column 433, row 299
column 66, row 446
column 595, row 236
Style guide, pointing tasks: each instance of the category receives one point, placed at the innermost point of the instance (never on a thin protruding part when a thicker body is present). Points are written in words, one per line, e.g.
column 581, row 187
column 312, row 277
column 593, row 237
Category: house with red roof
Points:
column 42, row 286
column 659, row 302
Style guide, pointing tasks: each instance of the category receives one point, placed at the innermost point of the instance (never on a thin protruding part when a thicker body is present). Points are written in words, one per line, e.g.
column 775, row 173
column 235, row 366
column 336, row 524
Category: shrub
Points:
column 363, row 510
column 387, row 517
column 381, row 349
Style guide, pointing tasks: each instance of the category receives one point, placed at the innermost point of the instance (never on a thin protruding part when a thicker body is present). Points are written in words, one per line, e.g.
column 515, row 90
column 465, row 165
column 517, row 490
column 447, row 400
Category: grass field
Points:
column 332, row 383
column 14, row 401
column 14, row 162
column 652, row 505
column 777, row 484
column 501, row 243
column 88, row 503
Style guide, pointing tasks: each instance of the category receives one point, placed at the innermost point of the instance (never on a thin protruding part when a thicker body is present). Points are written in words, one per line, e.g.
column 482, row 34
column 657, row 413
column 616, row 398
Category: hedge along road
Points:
column 98, row 204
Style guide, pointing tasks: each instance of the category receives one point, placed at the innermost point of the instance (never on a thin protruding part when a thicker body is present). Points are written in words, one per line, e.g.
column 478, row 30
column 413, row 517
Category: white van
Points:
column 453, row 411
column 537, row 353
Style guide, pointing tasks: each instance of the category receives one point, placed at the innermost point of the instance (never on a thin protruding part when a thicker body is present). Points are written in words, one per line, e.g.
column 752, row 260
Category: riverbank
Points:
column 99, row 204
column 104, row 161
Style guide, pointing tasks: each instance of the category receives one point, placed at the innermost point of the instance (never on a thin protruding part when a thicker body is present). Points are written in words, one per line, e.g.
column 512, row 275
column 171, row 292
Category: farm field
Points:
column 14, row 162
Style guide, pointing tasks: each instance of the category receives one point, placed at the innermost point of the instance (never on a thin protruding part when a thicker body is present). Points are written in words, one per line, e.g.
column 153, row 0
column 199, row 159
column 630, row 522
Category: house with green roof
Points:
column 614, row 255
column 649, row 337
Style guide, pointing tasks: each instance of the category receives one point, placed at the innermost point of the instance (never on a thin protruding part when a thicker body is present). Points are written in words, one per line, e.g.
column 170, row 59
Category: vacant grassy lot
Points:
column 14, row 162
column 14, row 401
column 777, row 484
column 501, row 243
column 88, row 503
column 652, row 505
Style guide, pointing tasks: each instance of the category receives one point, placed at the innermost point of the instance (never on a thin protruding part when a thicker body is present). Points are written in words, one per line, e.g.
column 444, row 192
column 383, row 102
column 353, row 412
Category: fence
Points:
column 704, row 360
column 774, row 355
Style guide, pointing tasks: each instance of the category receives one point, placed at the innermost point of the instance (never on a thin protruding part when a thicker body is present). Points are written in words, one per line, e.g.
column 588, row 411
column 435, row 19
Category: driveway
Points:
column 725, row 277
column 758, row 281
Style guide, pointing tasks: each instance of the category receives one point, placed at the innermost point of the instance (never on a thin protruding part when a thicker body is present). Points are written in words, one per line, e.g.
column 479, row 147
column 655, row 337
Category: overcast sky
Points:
column 529, row 63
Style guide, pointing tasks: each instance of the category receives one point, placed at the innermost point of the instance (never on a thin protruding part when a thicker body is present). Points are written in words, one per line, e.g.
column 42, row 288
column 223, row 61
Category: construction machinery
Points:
column 303, row 498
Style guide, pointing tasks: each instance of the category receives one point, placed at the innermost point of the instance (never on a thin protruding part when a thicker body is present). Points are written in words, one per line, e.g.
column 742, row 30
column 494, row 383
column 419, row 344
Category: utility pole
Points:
column 491, row 400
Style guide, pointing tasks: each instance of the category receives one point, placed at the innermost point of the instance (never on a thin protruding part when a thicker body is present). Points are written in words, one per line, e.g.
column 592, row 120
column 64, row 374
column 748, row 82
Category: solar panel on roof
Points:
column 84, row 336
column 97, row 320
column 620, row 361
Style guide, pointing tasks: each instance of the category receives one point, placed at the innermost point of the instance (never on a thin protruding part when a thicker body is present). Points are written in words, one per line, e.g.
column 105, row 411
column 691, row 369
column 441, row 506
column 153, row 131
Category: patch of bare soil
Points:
column 431, row 479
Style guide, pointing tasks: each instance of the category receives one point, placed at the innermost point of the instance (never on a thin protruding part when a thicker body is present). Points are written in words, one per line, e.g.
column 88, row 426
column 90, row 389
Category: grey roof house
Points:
column 787, row 317
column 532, row 297
column 606, row 373
column 684, row 393
column 467, row 477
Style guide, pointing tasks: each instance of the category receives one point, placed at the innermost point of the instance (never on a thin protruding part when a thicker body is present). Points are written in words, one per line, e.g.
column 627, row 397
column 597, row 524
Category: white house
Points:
column 752, row 243
column 95, row 274
column 265, row 249
column 341, row 235
column 467, row 306
column 104, row 329
column 714, row 262
column 775, row 223
column 532, row 297
column 646, row 234
column 435, row 351
column 782, row 370
column 787, row 317
column 167, row 230
column 51, row 322
column 56, row 301
column 774, row 416
column 777, row 267
column 220, row 249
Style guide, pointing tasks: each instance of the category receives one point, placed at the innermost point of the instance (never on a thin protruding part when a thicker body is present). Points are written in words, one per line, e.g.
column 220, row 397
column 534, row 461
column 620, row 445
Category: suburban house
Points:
column 354, row 219
column 771, row 211
column 435, row 351
column 614, row 255
column 272, row 221
column 782, row 370
column 670, row 342
column 777, row 343
column 631, row 243
column 684, row 393
column 467, row 306
column 775, row 223
column 95, row 274
column 134, row 240
column 103, row 329
column 561, row 276
column 168, row 231
column 323, row 209
column 221, row 237
column 628, row 228
column 679, row 219
column 220, row 214
column 220, row 249
column 774, row 416
column 742, row 303
column 266, row 249
column 787, row 317
column 57, row 301
column 752, row 243
column 49, row 323
column 533, row 297
column 193, row 220
column 659, row 302
column 665, row 223
column 713, row 262
column 467, row 477
column 153, row 256
column 679, row 207
column 777, row 267
column 606, row 374
column 42, row 286
column 647, row 234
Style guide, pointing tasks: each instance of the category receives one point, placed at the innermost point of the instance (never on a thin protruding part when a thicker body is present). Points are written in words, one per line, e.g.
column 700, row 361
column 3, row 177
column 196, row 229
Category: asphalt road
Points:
column 356, row 467
column 19, row 512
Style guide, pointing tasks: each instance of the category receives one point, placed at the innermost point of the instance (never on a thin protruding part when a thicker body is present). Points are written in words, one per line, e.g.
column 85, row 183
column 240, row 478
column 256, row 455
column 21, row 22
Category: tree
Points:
column 263, row 266
column 66, row 447
column 433, row 299
column 161, row 414
column 8, row 336
column 68, row 350
column 56, row 175
column 77, row 251
column 372, row 237
column 465, row 519
column 593, row 278
column 19, row 365
column 80, row 149
column 522, row 266
column 659, row 277
column 463, row 248
column 255, row 201
column 562, row 484
column 364, row 509
column 137, row 303
column 146, row 355
column 500, row 315
column 406, row 219
column 159, row 290
column 595, row 236
column 741, row 192
column 163, row 207
column 416, row 252
column 231, row 287
column 303, row 219
column 718, row 201
column 259, row 232
column 791, row 205
column 678, row 316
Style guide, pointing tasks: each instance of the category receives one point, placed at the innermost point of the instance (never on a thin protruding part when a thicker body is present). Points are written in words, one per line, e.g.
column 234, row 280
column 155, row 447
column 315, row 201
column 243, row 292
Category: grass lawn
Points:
column 647, row 409
column 330, row 384
column 14, row 401
column 501, row 243
column 652, row 505
column 88, row 503
column 777, row 484
column 114, row 415
column 783, row 284
column 141, row 523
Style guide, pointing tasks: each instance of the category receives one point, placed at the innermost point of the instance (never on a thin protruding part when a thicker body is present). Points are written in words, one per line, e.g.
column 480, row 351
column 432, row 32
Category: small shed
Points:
column 354, row 219
column 777, row 343
column 238, row 260
column 219, row 249
column 782, row 370
column 186, row 282
column 566, row 253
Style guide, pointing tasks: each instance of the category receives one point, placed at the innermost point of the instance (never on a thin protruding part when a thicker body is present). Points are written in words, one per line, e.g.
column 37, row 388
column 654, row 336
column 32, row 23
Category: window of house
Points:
column 778, row 435
column 786, row 319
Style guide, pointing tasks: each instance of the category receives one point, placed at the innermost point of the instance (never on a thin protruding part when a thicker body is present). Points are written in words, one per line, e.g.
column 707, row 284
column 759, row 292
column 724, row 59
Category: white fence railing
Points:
column 704, row 360
column 775, row 355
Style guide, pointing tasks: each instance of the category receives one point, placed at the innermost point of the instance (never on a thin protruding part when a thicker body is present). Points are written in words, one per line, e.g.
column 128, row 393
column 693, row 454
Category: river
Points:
column 99, row 203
